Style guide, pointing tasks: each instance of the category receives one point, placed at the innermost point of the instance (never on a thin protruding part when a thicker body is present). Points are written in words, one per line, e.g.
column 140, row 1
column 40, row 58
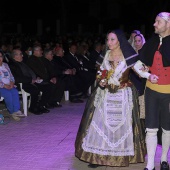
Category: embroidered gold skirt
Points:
column 108, row 160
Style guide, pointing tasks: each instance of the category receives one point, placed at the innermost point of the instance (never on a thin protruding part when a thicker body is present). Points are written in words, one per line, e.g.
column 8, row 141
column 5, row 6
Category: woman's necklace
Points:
column 115, row 59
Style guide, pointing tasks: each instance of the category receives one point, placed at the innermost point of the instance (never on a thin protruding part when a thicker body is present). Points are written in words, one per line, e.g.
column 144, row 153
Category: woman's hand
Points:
column 103, row 83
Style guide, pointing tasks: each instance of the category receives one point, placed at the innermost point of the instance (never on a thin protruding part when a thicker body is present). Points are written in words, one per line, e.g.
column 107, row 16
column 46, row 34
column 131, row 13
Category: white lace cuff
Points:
column 141, row 69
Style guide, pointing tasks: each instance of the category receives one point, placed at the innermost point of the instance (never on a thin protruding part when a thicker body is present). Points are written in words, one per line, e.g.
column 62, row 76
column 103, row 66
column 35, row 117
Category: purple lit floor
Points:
column 46, row 142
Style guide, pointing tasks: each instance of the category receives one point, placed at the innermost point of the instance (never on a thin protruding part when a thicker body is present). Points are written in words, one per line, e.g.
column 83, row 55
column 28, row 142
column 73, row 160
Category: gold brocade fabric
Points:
column 142, row 106
column 139, row 141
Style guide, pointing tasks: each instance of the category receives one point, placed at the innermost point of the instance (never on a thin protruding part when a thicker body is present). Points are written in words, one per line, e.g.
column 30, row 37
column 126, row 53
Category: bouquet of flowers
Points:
column 104, row 75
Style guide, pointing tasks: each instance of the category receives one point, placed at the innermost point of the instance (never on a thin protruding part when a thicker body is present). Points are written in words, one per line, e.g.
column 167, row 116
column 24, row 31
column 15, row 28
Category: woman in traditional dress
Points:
column 110, row 132
column 139, row 41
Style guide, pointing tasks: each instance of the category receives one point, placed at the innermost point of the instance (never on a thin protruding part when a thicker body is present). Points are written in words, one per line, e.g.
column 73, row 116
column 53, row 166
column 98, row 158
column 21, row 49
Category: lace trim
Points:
column 110, row 131
column 122, row 139
column 102, row 134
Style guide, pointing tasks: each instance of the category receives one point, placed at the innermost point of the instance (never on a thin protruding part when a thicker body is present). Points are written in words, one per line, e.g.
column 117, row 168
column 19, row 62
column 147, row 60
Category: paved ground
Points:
column 46, row 142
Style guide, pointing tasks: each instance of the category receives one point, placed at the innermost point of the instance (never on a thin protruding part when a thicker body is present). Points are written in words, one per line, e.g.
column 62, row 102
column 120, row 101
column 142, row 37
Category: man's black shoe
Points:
column 164, row 166
column 53, row 105
column 147, row 169
column 43, row 109
column 76, row 100
column 58, row 104
column 93, row 165
column 49, row 106
column 35, row 111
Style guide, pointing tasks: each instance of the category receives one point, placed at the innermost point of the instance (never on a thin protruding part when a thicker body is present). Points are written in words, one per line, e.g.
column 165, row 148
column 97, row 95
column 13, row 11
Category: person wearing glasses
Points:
column 8, row 90
column 24, row 74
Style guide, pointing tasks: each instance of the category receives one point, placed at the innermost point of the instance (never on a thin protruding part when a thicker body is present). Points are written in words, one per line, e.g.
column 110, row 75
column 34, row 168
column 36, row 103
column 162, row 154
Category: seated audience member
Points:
column 87, row 65
column 95, row 54
column 27, row 52
column 57, row 83
column 101, row 57
column 36, row 64
column 23, row 74
column 6, row 51
column 86, row 78
column 68, row 74
column 8, row 90
column 84, row 59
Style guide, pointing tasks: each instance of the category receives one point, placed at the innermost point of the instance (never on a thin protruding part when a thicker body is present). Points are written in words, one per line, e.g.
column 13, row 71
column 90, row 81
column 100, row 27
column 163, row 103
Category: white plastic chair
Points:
column 25, row 101
column 66, row 94
column 1, row 99
column 89, row 90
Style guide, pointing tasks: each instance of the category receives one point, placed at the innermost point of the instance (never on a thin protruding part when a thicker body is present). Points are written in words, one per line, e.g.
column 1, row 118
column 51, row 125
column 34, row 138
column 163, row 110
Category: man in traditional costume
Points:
column 155, row 54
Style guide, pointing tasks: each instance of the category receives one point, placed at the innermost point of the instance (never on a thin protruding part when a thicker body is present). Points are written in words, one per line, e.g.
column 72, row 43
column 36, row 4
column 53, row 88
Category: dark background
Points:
column 110, row 14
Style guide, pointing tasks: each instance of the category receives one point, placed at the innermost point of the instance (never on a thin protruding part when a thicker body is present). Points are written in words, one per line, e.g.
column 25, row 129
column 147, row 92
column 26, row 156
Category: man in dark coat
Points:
column 36, row 63
column 68, row 74
column 23, row 74
column 86, row 78
column 56, row 82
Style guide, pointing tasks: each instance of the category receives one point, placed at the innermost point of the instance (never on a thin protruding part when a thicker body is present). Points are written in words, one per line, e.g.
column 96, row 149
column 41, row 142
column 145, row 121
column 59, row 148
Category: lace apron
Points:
column 110, row 132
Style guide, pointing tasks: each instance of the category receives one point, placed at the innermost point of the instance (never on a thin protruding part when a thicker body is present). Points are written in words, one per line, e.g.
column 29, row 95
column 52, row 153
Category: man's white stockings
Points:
column 151, row 144
column 165, row 144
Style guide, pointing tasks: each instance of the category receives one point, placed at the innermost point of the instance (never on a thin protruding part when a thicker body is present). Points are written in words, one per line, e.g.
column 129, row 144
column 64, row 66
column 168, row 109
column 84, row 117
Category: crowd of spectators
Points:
column 48, row 67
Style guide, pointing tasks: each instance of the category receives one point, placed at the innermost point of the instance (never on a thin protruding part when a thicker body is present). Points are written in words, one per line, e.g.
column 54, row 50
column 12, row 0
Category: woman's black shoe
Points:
column 93, row 165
